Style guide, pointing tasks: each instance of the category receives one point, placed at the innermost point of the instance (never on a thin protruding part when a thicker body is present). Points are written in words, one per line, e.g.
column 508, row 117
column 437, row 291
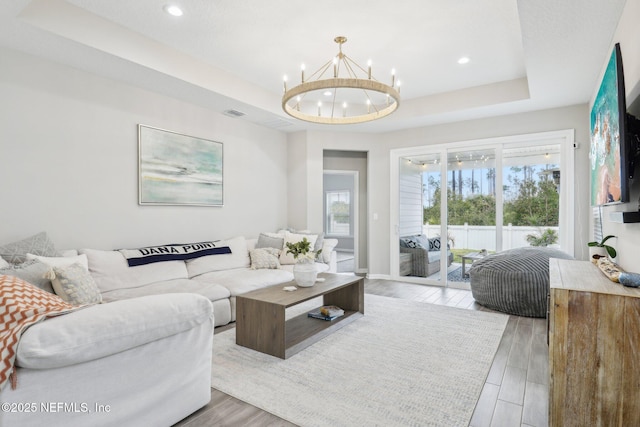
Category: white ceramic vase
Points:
column 596, row 250
column 305, row 273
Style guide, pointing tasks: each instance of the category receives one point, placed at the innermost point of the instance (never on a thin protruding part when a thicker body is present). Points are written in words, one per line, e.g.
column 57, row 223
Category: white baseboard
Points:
column 379, row 276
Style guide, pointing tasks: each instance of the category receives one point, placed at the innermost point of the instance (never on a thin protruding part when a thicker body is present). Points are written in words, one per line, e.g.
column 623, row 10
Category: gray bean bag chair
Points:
column 515, row 281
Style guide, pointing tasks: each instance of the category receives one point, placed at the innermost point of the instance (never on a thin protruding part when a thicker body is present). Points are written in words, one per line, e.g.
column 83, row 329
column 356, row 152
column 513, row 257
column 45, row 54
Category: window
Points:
column 338, row 216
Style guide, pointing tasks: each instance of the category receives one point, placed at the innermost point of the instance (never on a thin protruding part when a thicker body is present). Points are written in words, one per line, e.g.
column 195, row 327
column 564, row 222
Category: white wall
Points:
column 69, row 162
column 379, row 146
column 628, row 35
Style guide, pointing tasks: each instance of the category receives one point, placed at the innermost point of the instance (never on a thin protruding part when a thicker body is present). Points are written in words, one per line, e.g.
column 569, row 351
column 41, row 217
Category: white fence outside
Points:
column 484, row 237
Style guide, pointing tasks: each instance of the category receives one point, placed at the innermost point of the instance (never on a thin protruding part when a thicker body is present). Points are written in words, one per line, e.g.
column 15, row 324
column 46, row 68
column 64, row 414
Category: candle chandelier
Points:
column 341, row 92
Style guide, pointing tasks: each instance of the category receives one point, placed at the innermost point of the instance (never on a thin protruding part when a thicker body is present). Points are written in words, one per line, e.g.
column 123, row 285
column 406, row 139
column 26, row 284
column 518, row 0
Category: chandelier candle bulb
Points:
column 344, row 109
column 319, row 106
column 369, row 65
column 393, row 77
column 302, row 69
column 284, row 80
column 335, row 67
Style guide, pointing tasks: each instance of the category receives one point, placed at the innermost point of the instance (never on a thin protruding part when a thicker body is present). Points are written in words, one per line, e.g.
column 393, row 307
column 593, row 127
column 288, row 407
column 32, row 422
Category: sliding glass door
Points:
column 471, row 209
column 503, row 195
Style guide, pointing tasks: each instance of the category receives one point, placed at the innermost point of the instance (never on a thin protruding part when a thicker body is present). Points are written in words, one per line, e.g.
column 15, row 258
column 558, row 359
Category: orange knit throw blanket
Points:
column 21, row 305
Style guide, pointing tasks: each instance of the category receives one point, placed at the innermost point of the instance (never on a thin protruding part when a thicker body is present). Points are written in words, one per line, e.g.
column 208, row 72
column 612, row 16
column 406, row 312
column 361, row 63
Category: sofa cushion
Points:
column 32, row 271
column 241, row 280
column 111, row 271
column 210, row 290
column 38, row 244
column 106, row 329
column 75, row 285
column 238, row 258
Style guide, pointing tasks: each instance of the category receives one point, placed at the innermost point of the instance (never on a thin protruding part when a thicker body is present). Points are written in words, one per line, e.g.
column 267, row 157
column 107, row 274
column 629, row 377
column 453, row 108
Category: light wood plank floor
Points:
column 515, row 393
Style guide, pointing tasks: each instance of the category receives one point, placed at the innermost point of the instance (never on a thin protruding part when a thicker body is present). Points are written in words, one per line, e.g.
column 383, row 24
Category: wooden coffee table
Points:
column 260, row 314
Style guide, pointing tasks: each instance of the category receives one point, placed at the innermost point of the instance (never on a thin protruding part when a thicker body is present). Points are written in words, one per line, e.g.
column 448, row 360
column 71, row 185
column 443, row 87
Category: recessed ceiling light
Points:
column 173, row 10
column 463, row 60
column 327, row 93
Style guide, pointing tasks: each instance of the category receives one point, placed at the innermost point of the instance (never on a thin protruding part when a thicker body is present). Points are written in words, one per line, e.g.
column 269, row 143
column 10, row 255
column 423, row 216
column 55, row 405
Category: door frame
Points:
column 356, row 211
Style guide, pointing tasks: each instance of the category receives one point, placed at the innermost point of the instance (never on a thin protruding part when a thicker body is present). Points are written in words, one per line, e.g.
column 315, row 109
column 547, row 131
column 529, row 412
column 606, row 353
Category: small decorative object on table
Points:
column 610, row 269
column 305, row 272
column 631, row 280
column 327, row 312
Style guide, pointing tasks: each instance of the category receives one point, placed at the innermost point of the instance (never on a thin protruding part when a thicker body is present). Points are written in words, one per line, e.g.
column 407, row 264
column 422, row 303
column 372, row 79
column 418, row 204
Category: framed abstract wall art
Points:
column 177, row 169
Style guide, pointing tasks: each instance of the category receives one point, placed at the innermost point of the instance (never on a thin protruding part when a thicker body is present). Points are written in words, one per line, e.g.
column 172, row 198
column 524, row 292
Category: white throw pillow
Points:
column 289, row 237
column 327, row 247
column 75, row 285
column 61, row 261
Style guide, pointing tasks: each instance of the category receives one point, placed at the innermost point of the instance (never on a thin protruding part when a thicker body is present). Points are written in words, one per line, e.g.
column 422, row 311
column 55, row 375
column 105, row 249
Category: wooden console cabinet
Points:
column 594, row 348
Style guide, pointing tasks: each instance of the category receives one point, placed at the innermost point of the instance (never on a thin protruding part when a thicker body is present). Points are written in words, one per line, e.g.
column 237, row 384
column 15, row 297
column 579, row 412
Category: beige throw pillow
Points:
column 264, row 258
column 75, row 285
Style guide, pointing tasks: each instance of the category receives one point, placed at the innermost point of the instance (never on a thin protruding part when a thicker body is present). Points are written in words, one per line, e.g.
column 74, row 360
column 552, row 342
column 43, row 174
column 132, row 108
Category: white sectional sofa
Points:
column 218, row 277
column 143, row 356
column 144, row 362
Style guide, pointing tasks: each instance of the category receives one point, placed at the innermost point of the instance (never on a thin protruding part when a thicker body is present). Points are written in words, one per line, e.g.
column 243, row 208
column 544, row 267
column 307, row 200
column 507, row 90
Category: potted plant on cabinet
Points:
column 305, row 272
column 600, row 249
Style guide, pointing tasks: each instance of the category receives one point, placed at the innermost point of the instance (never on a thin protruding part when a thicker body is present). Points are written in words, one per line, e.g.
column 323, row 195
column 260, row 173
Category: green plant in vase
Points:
column 601, row 247
column 301, row 251
column 304, row 271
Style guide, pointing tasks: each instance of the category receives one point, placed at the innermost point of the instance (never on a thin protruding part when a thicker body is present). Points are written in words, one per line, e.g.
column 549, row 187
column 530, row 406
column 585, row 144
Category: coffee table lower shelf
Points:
column 302, row 330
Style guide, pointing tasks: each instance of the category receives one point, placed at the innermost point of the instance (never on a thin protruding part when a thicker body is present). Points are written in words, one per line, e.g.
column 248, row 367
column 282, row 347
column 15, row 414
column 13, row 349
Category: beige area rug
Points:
column 404, row 363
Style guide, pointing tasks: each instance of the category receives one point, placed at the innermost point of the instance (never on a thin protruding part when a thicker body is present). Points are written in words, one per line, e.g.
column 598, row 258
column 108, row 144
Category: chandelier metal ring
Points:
column 338, row 115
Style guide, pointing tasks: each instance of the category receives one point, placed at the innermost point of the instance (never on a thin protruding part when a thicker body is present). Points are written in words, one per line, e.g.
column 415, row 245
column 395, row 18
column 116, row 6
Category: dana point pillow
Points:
column 111, row 272
column 38, row 244
column 173, row 252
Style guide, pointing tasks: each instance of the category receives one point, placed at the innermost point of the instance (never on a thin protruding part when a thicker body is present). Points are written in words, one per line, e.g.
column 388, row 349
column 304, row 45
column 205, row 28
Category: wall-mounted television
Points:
column 614, row 138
